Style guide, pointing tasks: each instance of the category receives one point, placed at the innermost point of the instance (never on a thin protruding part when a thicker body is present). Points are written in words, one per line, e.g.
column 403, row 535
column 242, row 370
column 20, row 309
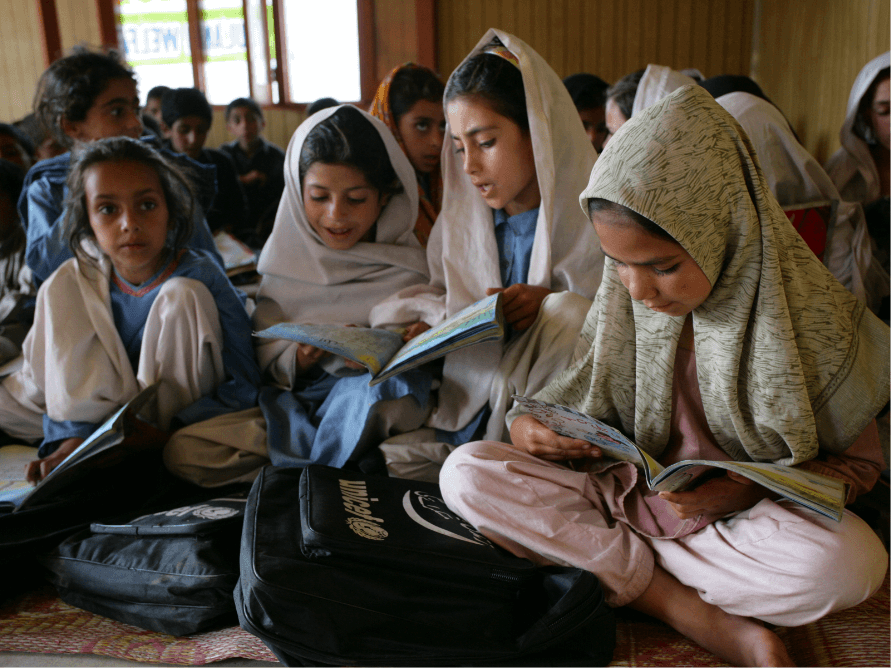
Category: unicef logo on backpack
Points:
column 366, row 528
column 214, row 512
column 432, row 513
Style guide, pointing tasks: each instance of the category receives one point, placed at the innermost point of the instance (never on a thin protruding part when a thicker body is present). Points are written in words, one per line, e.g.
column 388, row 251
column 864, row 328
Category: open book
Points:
column 96, row 451
column 237, row 257
column 820, row 493
column 384, row 353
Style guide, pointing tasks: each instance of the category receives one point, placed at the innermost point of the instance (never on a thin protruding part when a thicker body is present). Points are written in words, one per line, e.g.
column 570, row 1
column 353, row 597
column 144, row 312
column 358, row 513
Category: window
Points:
column 276, row 51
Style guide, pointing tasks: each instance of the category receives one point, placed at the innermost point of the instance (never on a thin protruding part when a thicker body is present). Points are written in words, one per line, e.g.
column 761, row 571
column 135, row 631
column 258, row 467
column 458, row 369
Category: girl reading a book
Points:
column 517, row 161
column 409, row 101
column 131, row 309
column 716, row 334
column 343, row 240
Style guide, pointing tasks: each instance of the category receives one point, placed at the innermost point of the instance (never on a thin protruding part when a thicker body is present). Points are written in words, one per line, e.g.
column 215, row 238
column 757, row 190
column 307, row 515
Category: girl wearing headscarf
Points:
column 517, row 159
column 715, row 334
column 409, row 102
column 855, row 167
column 795, row 178
column 637, row 91
column 343, row 240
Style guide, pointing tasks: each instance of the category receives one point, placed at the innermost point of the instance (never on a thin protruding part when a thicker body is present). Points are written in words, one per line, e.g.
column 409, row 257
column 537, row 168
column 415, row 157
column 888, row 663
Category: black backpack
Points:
column 342, row 568
column 171, row 571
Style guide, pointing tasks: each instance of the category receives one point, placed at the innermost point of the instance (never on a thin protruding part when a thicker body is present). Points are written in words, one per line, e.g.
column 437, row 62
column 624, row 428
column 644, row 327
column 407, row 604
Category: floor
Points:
column 31, row 660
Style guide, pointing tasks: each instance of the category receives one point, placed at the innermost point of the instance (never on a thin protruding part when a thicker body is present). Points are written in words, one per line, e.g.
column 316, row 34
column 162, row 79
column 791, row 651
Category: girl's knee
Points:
column 462, row 475
column 182, row 292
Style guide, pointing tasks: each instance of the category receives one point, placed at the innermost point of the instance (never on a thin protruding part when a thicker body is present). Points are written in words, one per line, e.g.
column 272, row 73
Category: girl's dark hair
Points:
column 624, row 91
column 68, row 87
column 587, row 91
column 411, row 84
column 862, row 126
column 596, row 204
column 494, row 79
column 348, row 138
column 12, row 179
column 178, row 193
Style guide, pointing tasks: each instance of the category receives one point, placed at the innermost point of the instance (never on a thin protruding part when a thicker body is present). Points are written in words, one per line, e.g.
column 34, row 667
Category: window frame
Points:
column 110, row 36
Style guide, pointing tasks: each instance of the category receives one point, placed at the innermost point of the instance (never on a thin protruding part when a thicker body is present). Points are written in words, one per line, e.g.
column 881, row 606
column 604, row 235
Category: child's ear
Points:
column 384, row 199
column 165, row 129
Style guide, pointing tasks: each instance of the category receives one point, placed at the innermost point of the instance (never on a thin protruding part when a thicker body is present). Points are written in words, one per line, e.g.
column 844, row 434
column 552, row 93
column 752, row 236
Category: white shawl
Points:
column 657, row 82
column 788, row 361
column 305, row 281
column 462, row 251
column 795, row 177
column 852, row 167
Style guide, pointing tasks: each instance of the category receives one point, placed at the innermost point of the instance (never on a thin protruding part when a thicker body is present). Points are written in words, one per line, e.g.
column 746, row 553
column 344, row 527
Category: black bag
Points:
column 172, row 571
column 343, row 568
column 137, row 485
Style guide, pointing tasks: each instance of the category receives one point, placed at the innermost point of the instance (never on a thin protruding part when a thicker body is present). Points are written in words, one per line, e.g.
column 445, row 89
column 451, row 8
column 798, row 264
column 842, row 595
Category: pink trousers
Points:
column 778, row 561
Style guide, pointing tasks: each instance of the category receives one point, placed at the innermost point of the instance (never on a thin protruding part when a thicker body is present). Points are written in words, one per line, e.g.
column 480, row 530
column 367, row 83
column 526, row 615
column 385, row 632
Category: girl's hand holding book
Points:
column 414, row 330
column 530, row 435
column 521, row 303
column 717, row 497
column 40, row 468
column 308, row 356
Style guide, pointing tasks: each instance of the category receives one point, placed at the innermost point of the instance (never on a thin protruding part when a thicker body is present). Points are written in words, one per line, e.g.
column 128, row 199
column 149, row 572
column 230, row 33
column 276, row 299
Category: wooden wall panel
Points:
column 396, row 34
column 21, row 57
column 78, row 23
column 609, row 39
column 808, row 54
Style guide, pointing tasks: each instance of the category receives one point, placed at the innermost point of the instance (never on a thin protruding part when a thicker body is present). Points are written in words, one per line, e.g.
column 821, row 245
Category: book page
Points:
column 371, row 348
column 481, row 321
column 13, row 460
column 235, row 254
column 568, row 422
column 823, row 494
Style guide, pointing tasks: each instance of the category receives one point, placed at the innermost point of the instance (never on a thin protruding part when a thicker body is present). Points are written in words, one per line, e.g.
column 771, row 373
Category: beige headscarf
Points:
column 306, row 282
column 788, row 361
column 852, row 167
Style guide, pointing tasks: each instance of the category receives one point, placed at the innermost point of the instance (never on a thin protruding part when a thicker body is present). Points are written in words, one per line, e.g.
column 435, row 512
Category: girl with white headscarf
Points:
column 514, row 161
column 637, row 91
column 795, row 178
column 343, row 240
column 716, row 334
column 864, row 144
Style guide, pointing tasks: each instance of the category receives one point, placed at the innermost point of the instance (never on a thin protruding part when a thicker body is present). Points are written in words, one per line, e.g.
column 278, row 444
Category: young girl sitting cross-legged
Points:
column 343, row 240
column 132, row 308
column 716, row 334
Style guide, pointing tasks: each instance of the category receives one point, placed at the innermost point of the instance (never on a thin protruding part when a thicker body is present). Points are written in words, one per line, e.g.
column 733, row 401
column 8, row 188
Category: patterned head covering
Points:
column 788, row 361
column 428, row 207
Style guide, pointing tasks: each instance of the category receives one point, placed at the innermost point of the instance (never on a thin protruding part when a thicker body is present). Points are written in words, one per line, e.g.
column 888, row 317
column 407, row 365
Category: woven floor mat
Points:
column 40, row 622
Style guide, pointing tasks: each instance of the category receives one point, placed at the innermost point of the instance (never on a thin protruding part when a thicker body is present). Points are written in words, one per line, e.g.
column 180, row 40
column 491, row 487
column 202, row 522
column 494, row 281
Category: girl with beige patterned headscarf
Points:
column 716, row 334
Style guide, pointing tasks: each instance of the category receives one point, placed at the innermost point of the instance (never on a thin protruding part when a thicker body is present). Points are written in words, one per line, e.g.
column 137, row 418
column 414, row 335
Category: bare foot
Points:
column 738, row 640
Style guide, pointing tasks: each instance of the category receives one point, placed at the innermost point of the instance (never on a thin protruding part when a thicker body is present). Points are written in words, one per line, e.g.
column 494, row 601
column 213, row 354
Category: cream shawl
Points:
column 788, row 361
column 657, row 82
column 306, row 282
column 462, row 251
column 795, row 177
column 852, row 167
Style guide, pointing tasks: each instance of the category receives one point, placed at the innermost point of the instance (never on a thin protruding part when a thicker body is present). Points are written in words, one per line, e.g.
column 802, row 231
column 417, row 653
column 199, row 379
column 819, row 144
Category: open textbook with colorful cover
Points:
column 385, row 354
column 820, row 493
column 96, row 451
